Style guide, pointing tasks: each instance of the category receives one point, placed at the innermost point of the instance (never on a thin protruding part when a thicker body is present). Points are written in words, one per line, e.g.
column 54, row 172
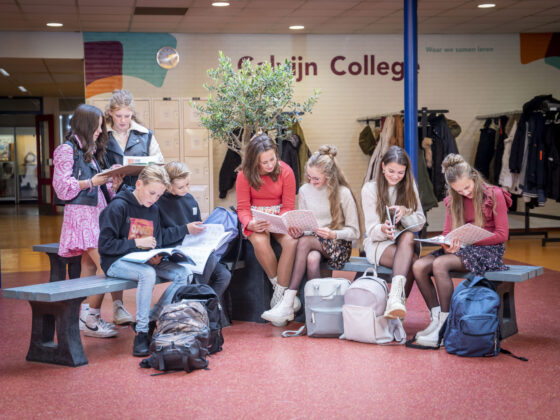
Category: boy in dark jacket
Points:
column 130, row 223
column 180, row 216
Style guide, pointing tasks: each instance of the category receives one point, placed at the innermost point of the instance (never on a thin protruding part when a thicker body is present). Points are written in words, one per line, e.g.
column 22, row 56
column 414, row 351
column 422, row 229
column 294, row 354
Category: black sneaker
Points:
column 141, row 346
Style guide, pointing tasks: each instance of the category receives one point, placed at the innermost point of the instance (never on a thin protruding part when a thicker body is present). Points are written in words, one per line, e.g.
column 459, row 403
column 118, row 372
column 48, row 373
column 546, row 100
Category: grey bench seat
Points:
column 55, row 308
column 504, row 280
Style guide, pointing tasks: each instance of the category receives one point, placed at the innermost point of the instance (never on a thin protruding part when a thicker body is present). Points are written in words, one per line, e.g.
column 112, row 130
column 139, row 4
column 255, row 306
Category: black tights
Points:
column 400, row 257
column 308, row 258
column 440, row 267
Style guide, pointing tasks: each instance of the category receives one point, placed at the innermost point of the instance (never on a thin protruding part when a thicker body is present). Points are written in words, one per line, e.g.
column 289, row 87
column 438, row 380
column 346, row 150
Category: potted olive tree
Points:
column 256, row 98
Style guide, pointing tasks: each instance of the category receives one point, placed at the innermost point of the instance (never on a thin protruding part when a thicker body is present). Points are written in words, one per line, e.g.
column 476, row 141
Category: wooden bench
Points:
column 55, row 307
column 504, row 280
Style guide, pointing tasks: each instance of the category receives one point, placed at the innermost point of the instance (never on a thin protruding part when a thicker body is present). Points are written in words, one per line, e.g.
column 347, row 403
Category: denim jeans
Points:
column 145, row 275
column 216, row 275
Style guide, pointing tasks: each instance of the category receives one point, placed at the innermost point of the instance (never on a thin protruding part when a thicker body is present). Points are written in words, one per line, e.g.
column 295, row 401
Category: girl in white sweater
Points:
column 328, row 195
column 393, row 195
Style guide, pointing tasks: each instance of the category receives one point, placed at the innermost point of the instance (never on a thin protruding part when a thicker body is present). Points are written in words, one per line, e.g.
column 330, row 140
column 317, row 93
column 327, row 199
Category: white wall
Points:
column 489, row 79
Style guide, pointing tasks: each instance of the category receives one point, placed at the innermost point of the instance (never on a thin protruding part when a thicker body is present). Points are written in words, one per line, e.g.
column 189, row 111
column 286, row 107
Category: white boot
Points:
column 434, row 315
column 432, row 339
column 396, row 302
column 283, row 312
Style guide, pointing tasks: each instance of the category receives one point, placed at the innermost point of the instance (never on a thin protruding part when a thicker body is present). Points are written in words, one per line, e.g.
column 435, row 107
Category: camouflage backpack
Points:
column 180, row 341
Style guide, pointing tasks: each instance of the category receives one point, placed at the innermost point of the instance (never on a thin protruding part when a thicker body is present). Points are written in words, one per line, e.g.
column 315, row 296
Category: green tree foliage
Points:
column 256, row 98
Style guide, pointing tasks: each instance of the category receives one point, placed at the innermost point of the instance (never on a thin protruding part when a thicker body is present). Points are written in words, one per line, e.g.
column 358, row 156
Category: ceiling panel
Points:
column 247, row 17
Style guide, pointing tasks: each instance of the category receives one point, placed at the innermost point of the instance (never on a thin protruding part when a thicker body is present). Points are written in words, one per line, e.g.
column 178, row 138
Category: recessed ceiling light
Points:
column 4, row 72
column 297, row 27
column 22, row 89
column 55, row 24
column 486, row 5
column 220, row 4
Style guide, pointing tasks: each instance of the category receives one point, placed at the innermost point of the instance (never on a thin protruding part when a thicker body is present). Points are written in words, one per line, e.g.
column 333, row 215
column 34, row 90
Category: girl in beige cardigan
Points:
column 393, row 195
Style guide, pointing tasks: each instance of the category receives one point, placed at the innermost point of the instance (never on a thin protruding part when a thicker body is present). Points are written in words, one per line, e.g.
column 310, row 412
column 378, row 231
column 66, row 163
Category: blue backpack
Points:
column 228, row 219
column 473, row 326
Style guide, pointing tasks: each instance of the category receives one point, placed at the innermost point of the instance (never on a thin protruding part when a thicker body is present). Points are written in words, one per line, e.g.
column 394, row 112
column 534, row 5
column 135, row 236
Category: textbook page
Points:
column 200, row 246
column 467, row 234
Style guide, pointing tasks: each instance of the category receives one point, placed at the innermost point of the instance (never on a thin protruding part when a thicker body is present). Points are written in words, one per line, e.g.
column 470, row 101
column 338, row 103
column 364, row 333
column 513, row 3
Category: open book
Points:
column 132, row 165
column 200, row 246
column 178, row 254
column 468, row 234
column 303, row 219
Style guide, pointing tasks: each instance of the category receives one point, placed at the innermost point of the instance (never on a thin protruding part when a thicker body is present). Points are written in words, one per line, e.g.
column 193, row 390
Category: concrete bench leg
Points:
column 62, row 318
column 58, row 267
column 508, row 321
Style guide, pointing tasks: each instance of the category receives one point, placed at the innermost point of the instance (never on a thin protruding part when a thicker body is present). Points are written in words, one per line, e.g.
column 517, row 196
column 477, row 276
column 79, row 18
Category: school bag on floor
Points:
column 205, row 295
column 323, row 308
column 473, row 327
column 362, row 313
column 180, row 341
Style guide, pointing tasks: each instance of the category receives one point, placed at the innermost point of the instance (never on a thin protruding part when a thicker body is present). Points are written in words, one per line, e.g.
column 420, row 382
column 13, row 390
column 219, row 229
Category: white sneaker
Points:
column 96, row 327
column 396, row 303
column 82, row 318
column 434, row 315
column 432, row 339
column 120, row 315
column 277, row 295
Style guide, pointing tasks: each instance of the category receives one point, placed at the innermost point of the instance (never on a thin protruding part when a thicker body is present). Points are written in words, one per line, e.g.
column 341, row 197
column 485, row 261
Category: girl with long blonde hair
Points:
column 328, row 195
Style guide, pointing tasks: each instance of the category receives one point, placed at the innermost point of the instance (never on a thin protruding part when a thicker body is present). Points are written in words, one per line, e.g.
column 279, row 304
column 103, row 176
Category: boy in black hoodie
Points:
column 180, row 215
column 131, row 223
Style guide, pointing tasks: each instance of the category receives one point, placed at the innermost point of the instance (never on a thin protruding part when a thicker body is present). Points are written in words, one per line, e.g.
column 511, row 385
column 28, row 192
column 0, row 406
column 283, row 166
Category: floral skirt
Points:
column 338, row 251
column 480, row 259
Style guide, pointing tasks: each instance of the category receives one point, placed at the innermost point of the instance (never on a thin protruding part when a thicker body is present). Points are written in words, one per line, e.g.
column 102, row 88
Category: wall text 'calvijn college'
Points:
column 340, row 65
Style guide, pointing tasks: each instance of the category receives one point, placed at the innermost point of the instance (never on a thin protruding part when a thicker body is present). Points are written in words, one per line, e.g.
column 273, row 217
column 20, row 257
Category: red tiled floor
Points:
column 262, row 375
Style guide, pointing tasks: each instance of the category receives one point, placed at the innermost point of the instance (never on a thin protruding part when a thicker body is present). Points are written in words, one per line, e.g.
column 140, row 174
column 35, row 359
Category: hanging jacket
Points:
column 290, row 155
column 552, row 153
column 485, row 150
column 228, row 174
column 303, row 151
column 443, row 144
column 380, row 149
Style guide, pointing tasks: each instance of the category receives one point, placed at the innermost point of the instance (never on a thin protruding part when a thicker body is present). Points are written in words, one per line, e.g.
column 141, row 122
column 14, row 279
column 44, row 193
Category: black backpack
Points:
column 180, row 341
column 205, row 294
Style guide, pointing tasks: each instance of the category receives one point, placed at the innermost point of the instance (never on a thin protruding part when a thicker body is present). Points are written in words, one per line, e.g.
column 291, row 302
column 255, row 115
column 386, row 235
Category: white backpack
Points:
column 323, row 307
column 363, row 309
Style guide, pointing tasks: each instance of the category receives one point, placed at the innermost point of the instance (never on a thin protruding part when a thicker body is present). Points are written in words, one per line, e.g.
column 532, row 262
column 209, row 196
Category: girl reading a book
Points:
column 328, row 195
column 470, row 200
column 180, row 216
column 267, row 184
column 85, row 192
column 131, row 223
column 127, row 136
column 393, row 213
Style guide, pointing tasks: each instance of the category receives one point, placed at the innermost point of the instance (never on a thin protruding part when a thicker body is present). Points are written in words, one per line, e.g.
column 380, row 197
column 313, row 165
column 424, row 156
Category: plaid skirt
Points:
column 480, row 259
column 338, row 251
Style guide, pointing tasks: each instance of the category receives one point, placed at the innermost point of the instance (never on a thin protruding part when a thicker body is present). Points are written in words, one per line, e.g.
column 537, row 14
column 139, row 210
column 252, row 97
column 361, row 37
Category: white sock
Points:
column 434, row 312
column 84, row 307
column 93, row 311
column 117, row 302
column 273, row 280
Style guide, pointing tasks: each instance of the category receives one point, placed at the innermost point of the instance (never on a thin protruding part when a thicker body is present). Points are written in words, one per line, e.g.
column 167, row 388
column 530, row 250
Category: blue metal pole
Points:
column 411, row 82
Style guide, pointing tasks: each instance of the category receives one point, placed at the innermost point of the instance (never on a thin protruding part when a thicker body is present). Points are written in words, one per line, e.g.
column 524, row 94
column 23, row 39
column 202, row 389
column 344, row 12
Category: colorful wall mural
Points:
column 540, row 46
column 111, row 55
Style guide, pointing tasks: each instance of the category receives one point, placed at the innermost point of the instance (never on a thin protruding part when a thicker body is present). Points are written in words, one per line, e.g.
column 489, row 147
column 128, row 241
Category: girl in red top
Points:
column 470, row 200
column 267, row 184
